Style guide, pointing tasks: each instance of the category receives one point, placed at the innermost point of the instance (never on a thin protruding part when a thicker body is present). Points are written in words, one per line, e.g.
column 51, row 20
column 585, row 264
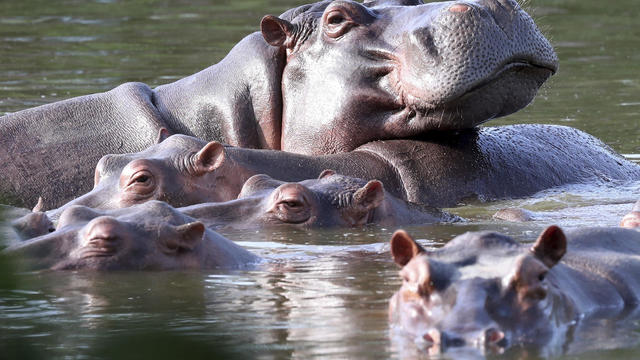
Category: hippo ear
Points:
column 209, row 158
column 326, row 173
column 369, row 196
column 404, row 248
column 187, row 237
column 550, row 246
column 163, row 134
column 277, row 32
column 39, row 206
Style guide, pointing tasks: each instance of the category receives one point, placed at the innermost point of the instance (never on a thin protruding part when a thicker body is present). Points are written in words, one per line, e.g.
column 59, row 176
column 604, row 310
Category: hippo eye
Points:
column 292, row 211
column 140, row 183
column 335, row 18
column 337, row 23
column 542, row 276
column 292, row 204
column 141, row 179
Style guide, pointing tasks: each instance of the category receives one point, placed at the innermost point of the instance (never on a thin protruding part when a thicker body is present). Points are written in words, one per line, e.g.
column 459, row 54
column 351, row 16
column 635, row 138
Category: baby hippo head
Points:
column 151, row 236
column 180, row 170
column 481, row 290
column 330, row 200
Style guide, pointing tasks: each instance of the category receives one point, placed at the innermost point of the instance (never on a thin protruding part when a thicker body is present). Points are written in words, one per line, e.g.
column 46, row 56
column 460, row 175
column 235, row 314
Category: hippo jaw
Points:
column 357, row 73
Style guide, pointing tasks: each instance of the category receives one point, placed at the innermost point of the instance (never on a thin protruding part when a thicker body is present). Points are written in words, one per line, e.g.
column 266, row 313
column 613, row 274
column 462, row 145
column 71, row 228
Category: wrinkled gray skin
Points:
column 150, row 236
column 632, row 219
column 330, row 200
column 322, row 78
column 485, row 290
column 489, row 163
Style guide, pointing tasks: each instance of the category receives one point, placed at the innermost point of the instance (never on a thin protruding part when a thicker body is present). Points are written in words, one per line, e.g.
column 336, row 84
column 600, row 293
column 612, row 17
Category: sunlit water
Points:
column 319, row 294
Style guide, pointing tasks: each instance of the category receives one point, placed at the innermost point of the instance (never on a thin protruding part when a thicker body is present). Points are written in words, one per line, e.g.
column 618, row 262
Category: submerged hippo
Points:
column 321, row 78
column 632, row 219
column 150, row 236
column 486, row 290
column 330, row 200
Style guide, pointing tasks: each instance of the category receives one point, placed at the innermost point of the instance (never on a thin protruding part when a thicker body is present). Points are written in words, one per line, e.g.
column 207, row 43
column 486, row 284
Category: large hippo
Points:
column 322, row 78
column 483, row 289
column 330, row 200
column 149, row 236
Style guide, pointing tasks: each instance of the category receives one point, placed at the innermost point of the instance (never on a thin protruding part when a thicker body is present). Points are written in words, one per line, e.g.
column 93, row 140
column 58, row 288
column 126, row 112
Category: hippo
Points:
column 149, row 236
column 330, row 200
column 632, row 219
column 485, row 290
column 487, row 163
column 321, row 78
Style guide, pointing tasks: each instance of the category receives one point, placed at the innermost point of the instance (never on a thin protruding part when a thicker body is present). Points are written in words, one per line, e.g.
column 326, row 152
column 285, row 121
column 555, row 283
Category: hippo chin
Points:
column 150, row 236
column 486, row 290
column 322, row 78
column 330, row 200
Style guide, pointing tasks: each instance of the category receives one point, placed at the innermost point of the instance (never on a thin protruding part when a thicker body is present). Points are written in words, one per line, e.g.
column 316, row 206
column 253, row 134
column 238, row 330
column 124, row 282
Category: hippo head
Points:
column 395, row 69
column 481, row 290
column 151, row 236
column 180, row 170
column 330, row 200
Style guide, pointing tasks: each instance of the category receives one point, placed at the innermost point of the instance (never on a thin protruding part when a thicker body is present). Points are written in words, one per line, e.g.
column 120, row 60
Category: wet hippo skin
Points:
column 330, row 200
column 322, row 78
column 149, row 236
column 489, row 163
column 485, row 290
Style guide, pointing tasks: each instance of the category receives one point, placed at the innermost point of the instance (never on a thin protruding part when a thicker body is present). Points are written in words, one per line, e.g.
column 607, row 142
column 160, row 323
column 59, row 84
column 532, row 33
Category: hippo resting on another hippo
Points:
column 489, row 163
column 486, row 290
column 322, row 78
column 149, row 236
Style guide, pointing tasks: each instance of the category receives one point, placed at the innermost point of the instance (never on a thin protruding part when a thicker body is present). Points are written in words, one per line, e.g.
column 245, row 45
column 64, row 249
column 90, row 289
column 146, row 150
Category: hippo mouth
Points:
column 545, row 70
column 508, row 89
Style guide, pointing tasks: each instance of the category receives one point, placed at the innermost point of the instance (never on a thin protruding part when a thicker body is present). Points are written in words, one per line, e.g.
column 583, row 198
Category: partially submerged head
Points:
column 394, row 69
column 481, row 290
column 150, row 236
column 330, row 200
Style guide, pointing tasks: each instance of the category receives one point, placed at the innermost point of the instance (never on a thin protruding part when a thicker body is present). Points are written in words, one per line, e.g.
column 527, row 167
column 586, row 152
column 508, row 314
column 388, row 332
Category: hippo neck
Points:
column 237, row 101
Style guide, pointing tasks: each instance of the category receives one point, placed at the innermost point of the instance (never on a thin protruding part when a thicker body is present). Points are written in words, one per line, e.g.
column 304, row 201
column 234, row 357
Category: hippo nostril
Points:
column 459, row 8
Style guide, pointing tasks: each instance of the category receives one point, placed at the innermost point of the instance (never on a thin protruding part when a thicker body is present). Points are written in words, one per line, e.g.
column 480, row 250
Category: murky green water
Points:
column 320, row 294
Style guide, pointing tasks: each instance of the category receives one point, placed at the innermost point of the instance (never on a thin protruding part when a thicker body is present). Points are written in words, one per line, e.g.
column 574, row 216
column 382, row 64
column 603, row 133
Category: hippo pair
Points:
column 485, row 290
column 487, row 163
column 322, row 78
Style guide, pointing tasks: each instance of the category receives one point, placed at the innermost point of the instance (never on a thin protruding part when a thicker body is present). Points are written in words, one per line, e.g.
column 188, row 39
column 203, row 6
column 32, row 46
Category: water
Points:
column 320, row 294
